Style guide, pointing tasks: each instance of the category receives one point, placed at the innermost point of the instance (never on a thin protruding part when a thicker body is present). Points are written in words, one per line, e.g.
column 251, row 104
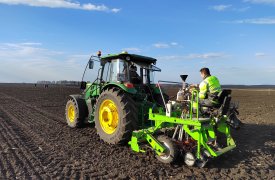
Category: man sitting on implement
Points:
column 209, row 88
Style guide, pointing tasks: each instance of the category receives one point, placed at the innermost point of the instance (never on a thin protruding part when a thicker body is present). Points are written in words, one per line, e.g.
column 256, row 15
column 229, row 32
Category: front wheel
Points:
column 75, row 112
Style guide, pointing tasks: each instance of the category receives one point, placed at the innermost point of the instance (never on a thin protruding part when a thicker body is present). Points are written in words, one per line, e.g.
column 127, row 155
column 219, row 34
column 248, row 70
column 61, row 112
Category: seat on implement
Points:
column 224, row 100
column 223, row 103
column 225, row 93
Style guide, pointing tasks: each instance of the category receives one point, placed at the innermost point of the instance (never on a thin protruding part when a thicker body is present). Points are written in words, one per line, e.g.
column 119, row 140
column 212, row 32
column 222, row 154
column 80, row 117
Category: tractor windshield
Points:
column 119, row 71
column 152, row 71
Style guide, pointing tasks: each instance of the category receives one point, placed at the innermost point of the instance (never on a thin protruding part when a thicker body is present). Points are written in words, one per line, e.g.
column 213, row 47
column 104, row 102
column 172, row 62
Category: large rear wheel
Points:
column 116, row 116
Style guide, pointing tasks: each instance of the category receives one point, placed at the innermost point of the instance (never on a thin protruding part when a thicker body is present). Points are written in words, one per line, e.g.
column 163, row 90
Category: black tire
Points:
column 172, row 150
column 127, row 113
column 201, row 163
column 233, row 120
column 80, row 112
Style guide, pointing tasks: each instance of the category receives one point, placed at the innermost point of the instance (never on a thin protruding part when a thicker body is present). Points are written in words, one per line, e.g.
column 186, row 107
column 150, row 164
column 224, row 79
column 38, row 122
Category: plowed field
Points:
column 36, row 143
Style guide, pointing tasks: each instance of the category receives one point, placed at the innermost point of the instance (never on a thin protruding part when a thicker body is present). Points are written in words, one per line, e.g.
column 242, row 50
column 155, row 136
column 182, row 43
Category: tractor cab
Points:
column 128, row 68
column 132, row 73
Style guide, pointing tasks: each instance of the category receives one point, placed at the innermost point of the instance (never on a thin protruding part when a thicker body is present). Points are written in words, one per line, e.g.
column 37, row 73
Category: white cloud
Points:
column 228, row 7
column 259, row 54
column 243, row 9
column 263, row 21
column 171, row 58
column 61, row 4
column 31, row 44
column 161, row 45
column 174, row 43
column 211, row 55
column 267, row 2
column 165, row 45
column 221, row 7
column 115, row 10
column 206, row 56
column 131, row 49
column 29, row 62
column 92, row 7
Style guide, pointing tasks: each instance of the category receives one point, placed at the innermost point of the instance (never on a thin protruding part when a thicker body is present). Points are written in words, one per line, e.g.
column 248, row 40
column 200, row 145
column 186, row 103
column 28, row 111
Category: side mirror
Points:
column 91, row 64
column 83, row 85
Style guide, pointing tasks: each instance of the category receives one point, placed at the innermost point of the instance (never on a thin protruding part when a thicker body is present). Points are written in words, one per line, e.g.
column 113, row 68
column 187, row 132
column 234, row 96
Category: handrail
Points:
column 172, row 82
column 197, row 104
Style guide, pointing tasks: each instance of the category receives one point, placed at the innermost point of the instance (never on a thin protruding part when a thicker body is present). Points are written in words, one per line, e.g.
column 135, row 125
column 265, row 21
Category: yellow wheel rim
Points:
column 71, row 112
column 108, row 116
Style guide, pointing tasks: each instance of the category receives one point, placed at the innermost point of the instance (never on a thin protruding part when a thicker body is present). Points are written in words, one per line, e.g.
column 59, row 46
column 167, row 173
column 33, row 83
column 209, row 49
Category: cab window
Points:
column 118, row 71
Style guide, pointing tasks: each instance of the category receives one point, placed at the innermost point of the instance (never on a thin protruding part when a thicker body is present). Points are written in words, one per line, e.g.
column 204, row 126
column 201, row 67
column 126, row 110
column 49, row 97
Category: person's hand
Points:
column 194, row 85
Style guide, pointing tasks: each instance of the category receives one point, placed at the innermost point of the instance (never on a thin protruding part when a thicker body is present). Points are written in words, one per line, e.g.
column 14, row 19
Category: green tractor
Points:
column 128, row 107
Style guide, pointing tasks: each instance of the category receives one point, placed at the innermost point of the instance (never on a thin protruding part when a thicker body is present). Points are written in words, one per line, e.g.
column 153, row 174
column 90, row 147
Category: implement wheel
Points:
column 189, row 159
column 116, row 116
column 171, row 153
column 75, row 112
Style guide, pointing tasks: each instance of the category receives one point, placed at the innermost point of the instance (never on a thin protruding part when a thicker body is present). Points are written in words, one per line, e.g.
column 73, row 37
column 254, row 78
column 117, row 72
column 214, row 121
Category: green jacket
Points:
column 210, row 85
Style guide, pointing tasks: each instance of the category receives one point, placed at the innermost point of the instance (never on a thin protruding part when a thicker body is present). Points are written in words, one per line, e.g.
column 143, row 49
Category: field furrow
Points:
column 36, row 143
column 19, row 152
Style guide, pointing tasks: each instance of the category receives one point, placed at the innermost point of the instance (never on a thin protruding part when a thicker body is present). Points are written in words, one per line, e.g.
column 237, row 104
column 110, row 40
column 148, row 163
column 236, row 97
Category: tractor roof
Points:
column 130, row 57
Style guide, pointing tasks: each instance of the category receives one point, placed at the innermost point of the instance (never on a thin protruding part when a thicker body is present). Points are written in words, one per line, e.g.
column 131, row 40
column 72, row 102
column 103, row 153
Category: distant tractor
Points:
column 128, row 107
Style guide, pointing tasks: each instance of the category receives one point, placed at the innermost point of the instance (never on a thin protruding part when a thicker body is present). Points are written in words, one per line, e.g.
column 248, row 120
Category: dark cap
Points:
column 205, row 70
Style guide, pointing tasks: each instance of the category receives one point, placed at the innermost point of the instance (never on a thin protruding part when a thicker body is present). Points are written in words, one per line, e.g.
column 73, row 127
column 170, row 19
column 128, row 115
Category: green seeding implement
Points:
column 127, row 107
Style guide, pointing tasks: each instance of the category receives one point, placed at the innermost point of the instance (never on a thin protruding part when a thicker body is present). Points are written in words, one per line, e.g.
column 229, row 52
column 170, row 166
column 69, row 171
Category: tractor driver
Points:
column 135, row 78
column 209, row 88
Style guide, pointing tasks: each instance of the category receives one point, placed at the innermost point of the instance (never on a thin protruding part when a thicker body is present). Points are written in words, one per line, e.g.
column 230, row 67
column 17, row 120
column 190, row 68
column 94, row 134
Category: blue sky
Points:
column 53, row 39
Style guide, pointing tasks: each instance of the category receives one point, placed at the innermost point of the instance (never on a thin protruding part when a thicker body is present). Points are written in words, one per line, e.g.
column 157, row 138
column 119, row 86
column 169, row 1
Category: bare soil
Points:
column 36, row 143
